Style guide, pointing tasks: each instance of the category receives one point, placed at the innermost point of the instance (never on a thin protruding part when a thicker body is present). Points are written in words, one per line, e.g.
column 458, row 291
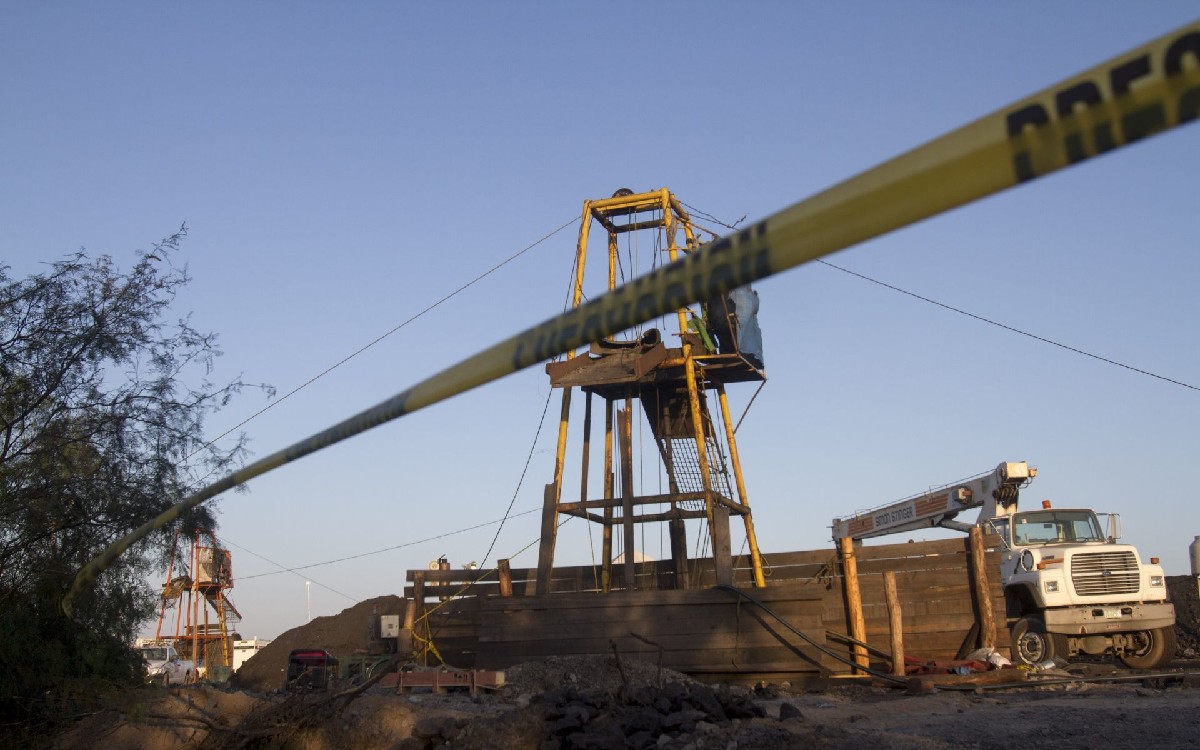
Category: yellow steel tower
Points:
column 675, row 382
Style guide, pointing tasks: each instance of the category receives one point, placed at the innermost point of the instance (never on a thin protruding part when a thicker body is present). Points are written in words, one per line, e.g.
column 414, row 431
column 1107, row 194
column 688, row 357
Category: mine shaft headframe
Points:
column 647, row 370
column 627, row 211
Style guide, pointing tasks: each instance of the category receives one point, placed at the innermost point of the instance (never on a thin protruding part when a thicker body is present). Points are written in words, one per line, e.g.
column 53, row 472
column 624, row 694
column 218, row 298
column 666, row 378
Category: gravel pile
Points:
column 600, row 674
column 673, row 715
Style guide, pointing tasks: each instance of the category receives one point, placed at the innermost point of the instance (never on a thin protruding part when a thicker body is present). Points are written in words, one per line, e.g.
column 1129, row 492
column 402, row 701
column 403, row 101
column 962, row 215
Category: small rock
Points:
column 566, row 725
column 789, row 711
column 682, row 719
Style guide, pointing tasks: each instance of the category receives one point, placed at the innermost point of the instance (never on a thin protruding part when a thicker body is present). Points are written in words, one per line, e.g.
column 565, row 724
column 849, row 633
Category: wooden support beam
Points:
column 982, row 590
column 895, row 622
column 722, row 547
column 662, row 499
column 854, row 610
column 625, row 418
column 587, row 447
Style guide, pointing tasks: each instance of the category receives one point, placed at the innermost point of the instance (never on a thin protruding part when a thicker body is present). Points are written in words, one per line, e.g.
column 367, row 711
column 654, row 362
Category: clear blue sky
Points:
column 341, row 166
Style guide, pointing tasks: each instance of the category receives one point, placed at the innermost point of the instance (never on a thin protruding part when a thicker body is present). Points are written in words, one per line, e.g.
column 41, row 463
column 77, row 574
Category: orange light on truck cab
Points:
column 1045, row 504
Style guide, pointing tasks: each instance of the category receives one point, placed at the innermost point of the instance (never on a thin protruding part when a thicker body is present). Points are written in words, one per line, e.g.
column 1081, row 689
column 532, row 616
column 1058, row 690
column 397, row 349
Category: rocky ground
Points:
column 607, row 702
column 653, row 709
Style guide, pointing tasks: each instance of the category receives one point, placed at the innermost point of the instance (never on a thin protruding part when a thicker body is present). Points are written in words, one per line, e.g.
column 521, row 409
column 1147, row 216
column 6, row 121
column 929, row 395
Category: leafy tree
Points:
column 99, row 432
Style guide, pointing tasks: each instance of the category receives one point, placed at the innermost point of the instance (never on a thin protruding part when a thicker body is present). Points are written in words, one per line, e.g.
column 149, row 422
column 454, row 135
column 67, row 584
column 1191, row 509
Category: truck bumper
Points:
column 1110, row 618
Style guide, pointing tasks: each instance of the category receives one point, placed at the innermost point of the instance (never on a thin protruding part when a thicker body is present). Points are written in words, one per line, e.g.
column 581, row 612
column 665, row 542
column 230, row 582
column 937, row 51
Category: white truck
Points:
column 1070, row 588
column 164, row 667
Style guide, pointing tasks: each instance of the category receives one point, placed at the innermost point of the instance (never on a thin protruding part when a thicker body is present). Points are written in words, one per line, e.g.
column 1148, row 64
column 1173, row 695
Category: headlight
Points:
column 1156, row 581
column 1051, row 586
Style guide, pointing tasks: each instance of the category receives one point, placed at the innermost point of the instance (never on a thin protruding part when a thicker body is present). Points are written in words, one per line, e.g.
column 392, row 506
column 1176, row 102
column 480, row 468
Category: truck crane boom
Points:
column 996, row 492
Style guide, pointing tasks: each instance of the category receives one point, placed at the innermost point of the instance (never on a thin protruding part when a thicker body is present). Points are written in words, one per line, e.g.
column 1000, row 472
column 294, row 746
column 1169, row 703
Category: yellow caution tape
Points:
column 1145, row 91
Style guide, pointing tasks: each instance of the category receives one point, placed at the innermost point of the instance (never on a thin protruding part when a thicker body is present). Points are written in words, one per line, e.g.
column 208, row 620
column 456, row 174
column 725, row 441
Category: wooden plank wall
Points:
column 702, row 632
column 933, row 582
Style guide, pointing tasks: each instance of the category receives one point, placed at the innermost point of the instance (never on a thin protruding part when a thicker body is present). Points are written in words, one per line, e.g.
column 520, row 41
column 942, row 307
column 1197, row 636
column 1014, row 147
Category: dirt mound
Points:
column 153, row 718
column 342, row 635
column 1186, row 597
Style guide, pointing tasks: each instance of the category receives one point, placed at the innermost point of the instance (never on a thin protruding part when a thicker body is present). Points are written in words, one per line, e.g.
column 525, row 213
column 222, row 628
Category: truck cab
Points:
column 1073, row 589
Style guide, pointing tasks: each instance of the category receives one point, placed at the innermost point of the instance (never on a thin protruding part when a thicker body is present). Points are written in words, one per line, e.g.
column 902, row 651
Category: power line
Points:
column 346, row 359
column 385, row 549
column 989, row 321
column 283, row 569
column 520, row 482
column 969, row 314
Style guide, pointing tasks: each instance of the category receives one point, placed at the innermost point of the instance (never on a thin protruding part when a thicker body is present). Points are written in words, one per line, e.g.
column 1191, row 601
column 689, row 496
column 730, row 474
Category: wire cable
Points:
column 1008, row 327
column 521, row 481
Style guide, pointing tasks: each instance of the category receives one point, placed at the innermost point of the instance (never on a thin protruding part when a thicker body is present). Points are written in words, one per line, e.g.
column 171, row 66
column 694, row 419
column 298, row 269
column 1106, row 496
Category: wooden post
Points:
column 545, row 569
column 410, row 615
column 678, row 534
column 505, row 573
column 858, row 626
column 982, row 589
column 420, row 624
column 895, row 622
column 606, row 538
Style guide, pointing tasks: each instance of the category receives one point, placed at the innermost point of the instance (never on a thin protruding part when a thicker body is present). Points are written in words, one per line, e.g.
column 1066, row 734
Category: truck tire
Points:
column 1031, row 644
column 1156, row 649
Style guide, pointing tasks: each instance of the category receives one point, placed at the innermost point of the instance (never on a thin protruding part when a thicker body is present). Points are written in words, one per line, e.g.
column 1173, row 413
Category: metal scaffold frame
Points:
column 674, row 385
column 201, row 588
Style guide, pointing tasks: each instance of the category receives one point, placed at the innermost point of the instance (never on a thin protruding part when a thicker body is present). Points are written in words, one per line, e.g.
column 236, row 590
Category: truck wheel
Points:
column 165, row 680
column 1031, row 644
column 1155, row 648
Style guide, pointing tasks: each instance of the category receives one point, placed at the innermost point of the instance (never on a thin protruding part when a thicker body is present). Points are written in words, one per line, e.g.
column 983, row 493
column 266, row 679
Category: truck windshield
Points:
column 154, row 654
column 1056, row 527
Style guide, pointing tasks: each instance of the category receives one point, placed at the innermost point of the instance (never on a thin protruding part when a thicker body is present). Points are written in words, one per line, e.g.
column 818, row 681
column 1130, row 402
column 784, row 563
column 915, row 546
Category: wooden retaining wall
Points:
column 705, row 631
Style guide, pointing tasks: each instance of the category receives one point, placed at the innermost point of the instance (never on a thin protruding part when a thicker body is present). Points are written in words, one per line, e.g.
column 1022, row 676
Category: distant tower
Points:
column 195, row 595
column 677, row 380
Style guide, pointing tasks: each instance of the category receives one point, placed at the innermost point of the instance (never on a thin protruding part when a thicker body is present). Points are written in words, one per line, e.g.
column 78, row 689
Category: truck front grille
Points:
column 1101, row 573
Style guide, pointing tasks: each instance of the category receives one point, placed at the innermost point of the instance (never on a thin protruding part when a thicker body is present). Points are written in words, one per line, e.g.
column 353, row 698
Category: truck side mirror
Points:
column 1114, row 527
